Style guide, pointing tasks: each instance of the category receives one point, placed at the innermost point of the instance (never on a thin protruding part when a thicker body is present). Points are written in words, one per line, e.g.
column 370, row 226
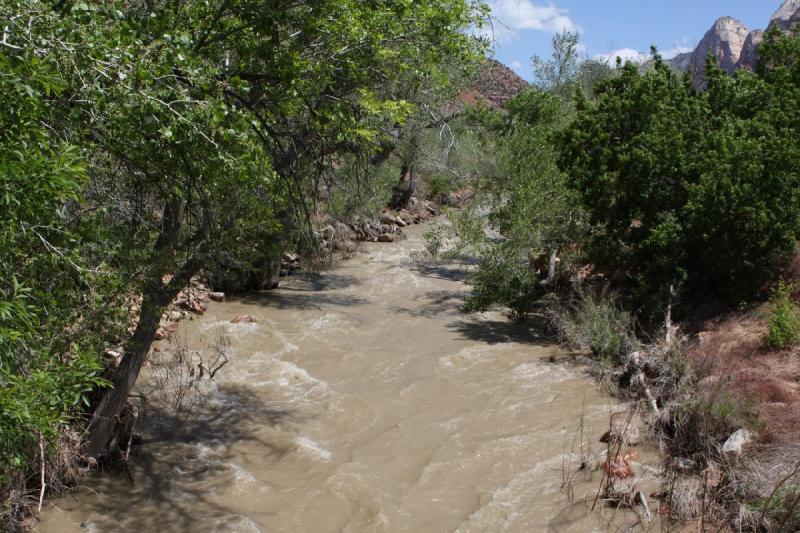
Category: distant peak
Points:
column 786, row 11
column 730, row 21
column 730, row 25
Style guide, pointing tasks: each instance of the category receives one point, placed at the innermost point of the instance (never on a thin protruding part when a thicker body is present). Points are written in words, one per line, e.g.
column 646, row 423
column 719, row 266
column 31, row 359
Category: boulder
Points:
column 406, row 216
column 391, row 220
column 243, row 319
column 217, row 296
column 385, row 237
column 734, row 446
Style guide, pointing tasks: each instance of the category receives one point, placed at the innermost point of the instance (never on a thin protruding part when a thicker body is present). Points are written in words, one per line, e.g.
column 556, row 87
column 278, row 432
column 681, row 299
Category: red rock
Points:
column 243, row 319
column 619, row 467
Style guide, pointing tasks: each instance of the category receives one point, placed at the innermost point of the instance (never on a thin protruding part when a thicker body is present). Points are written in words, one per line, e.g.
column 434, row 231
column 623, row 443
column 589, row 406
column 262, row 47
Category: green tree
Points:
column 48, row 362
column 697, row 189
column 558, row 73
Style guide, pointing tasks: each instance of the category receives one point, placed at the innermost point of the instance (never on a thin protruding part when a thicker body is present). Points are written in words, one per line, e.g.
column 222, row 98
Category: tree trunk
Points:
column 405, row 189
column 101, row 427
column 270, row 272
column 156, row 296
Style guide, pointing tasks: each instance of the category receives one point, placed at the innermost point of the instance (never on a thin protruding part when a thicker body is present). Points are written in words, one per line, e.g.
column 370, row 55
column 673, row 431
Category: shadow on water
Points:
column 309, row 291
column 315, row 282
column 436, row 303
column 531, row 331
column 441, row 270
column 174, row 479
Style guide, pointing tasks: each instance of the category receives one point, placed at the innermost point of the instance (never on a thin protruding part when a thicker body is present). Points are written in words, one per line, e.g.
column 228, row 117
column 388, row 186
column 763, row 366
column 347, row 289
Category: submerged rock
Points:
column 243, row 319
column 217, row 296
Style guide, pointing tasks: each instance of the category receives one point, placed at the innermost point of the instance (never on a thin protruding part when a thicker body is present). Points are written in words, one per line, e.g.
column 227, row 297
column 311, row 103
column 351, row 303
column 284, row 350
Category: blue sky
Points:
column 525, row 27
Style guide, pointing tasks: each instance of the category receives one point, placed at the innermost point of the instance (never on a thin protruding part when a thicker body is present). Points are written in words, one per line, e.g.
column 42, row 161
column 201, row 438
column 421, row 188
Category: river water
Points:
column 362, row 400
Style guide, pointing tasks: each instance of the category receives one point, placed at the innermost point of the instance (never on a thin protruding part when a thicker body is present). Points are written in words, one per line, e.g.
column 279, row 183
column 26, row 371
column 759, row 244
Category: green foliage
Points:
column 141, row 142
column 784, row 319
column 535, row 107
column 564, row 72
column 503, row 277
column 697, row 428
column 782, row 508
column 531, row 206
column 531, row 210
column 45, row 375
column 689, row 188
column 557, row 73
column 438, row 186
column 601, row 326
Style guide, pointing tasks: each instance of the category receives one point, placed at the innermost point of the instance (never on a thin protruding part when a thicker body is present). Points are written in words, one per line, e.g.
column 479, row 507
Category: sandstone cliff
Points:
column 733, row 44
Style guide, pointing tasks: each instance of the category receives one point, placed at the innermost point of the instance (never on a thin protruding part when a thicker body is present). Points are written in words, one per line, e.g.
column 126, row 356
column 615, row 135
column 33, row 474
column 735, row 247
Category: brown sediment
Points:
column 363, row 400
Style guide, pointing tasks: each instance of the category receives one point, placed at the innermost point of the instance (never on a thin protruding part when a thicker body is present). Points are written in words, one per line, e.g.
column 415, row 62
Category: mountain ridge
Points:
column 733, row 44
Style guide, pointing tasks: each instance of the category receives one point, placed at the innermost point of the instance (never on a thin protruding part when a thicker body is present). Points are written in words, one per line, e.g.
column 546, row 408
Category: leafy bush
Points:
column 503, row 277
column 690, row 188
column 438, row 186
column 599, row 325
column 784, row 319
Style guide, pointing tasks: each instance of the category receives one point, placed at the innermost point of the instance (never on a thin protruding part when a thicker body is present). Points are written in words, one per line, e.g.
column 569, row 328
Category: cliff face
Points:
column 725, row 41
column 733, row 44
column 786, row 15
column 749, row 55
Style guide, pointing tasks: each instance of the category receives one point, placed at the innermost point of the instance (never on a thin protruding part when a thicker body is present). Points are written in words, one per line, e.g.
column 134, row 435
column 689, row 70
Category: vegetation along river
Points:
column 360, row 400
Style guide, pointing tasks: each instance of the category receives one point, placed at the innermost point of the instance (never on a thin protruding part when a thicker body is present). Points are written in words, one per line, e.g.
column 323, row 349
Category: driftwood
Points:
column 648, row 516
column 41, row 457
column 635, row 360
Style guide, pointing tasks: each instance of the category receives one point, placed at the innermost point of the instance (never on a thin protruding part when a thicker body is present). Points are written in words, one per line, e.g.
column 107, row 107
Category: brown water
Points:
column 362, row 400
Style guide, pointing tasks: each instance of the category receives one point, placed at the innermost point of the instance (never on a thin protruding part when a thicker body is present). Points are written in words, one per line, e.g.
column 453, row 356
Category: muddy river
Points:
column 361, row 400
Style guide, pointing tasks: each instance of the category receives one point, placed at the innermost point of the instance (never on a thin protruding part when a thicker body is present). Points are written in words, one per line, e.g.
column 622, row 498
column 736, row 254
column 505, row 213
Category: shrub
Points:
column 503, row 278
column 438, row 186
column 784, row 321
column 689, row 188
column 599, row 325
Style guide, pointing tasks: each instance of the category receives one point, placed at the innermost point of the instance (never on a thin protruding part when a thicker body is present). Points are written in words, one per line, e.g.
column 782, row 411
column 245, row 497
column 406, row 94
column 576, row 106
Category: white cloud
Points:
column 517, row 65
column 626, row 54
column 511, row 16
column 629, row 54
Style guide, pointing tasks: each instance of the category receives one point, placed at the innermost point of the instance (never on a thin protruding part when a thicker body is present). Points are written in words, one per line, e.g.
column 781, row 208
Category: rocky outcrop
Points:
column 725, row 41
column 788, row 24
column 683, row 61
column 749, row 55
column 732, row 44
column 497, row 84
column 787, row 15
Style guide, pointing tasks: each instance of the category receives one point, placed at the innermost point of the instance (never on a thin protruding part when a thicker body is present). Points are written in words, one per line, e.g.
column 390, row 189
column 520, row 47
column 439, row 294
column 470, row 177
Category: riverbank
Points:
column 717, row 399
